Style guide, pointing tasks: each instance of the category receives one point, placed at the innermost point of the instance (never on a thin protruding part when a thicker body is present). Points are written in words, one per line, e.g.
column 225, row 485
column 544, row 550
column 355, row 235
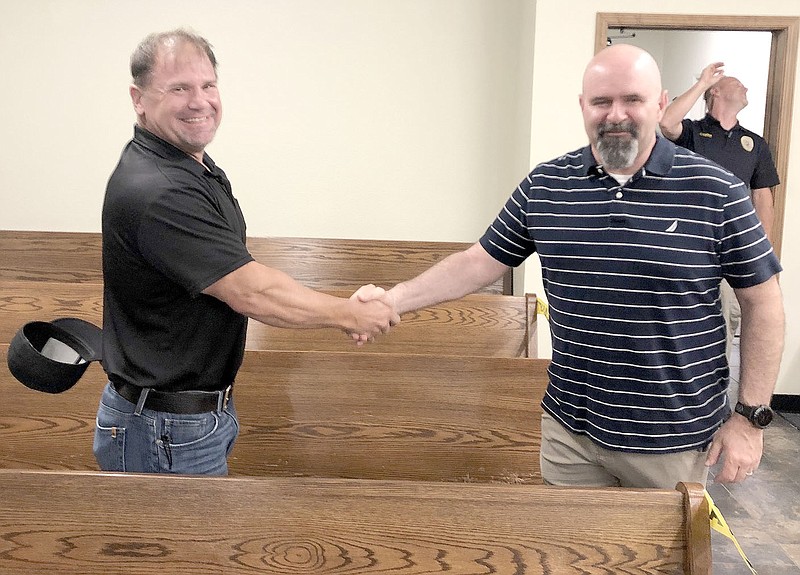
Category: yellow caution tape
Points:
column 543, row 309
column 718, row 523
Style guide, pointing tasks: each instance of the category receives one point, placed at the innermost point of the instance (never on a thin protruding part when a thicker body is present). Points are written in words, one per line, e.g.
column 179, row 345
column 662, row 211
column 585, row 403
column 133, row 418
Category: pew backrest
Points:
column 69, row 523
column 51, row 256
column 319, row 263
column 326, row 414
column 480, row 324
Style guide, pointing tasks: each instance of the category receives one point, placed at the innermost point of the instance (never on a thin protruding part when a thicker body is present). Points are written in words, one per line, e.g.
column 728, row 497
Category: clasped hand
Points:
column 376, row 313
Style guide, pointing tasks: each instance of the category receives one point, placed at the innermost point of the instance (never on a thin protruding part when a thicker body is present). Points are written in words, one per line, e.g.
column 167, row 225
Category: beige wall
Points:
column 409, row 119
column 343, row 118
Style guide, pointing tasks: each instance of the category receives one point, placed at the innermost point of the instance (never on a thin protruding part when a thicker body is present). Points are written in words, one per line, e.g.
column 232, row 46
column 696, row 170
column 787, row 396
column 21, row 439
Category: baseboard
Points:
column 787, row 403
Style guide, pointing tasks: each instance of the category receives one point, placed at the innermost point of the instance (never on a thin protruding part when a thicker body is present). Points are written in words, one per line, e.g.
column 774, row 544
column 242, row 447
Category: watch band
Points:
column 758, row 415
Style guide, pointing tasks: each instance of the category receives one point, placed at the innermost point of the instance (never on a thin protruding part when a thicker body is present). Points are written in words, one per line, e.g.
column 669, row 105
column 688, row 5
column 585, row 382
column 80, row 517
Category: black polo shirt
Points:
column 741, row 151
column 171, row 227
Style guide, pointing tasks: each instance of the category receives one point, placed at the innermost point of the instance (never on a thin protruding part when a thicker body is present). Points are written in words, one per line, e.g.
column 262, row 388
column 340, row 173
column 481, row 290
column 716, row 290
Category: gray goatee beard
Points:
column 617, row 153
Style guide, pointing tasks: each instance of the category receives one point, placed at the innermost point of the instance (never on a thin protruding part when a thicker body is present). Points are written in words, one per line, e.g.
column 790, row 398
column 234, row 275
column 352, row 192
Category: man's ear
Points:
column 663, row 102
column 136, row 97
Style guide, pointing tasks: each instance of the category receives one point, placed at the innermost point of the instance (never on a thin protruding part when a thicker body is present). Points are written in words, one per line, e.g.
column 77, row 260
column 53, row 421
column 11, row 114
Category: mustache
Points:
column 629, row 127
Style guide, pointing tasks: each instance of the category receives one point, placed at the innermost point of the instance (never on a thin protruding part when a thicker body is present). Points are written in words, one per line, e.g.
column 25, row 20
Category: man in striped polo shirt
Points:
column 634, row 236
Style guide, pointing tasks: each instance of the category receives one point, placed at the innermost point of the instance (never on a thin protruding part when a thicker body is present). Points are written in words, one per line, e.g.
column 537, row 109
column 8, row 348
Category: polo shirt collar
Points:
column 711, row 122
column 167, row 151
column 659, row 163
column 589, row 164
column 661, row 158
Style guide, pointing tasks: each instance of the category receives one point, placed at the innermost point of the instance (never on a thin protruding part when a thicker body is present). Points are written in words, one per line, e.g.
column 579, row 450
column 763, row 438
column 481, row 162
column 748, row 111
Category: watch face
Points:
column 762, row 416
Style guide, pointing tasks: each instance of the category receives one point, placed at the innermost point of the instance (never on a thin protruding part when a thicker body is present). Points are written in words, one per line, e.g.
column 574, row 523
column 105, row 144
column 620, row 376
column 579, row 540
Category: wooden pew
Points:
column 25, row 301
column 346, row 264
column 74, row 523
column 325, row 414
column 480, row 324
column 319, row 263
column 50, row 256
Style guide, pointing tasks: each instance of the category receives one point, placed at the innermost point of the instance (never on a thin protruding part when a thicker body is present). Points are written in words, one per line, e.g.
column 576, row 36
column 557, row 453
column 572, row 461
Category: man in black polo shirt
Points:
column 179, row 282
column 720, row 137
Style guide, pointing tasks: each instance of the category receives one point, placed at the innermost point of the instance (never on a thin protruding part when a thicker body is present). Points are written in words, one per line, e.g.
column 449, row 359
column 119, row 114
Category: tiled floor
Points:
column 764, row 511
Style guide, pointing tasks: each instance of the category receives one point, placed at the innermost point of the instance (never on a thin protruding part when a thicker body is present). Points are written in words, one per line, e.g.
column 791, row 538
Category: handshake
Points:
column 375, row 312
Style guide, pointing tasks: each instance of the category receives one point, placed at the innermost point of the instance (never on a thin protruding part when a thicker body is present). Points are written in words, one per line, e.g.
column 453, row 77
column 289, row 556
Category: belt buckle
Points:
column 226, row 396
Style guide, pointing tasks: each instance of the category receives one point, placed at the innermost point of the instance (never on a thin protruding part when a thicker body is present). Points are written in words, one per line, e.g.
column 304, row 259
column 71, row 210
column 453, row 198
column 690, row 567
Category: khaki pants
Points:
column 575, row 460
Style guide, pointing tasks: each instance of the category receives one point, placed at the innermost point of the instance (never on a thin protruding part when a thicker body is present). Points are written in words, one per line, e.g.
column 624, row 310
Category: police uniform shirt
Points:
column 739, row 150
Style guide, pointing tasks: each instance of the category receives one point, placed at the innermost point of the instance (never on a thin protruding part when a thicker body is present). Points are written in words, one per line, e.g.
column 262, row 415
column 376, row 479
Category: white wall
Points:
column 344, row 118
column 682, row 55
column 746, row 57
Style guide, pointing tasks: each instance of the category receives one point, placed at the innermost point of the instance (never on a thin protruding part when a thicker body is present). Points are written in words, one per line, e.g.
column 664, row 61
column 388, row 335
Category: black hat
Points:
column 52, row 356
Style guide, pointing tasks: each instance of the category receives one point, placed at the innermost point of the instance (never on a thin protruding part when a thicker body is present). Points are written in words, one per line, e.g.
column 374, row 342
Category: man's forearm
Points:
column 761, row 343
column 452, row 278
column 765, row 208
column 677, row 110
column 274, row 298
column 671, row 121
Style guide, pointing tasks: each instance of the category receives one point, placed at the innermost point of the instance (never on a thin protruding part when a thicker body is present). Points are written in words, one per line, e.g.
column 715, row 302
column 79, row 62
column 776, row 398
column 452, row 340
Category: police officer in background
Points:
column 720, row 137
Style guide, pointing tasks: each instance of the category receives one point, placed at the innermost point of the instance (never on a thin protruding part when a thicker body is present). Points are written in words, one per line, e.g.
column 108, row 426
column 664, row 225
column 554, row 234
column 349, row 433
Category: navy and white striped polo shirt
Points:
column 632, row 275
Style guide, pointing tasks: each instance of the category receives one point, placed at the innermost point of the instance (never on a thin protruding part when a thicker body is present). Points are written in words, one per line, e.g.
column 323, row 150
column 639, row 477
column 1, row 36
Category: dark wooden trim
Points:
column 787, row 403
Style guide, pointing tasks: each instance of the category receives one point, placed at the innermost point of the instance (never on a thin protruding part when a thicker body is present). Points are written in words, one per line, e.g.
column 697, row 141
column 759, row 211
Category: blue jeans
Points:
column 158, row 442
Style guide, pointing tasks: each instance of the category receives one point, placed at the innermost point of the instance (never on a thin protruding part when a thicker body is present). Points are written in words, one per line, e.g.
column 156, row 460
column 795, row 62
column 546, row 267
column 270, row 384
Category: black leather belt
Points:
column 183, row 402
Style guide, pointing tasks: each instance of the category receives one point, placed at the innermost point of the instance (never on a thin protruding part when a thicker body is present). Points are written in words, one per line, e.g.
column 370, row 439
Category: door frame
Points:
column 780, row 82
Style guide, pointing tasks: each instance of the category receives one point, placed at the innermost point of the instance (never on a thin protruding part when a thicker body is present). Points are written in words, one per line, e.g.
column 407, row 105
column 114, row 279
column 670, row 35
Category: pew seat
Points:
column 74, row 523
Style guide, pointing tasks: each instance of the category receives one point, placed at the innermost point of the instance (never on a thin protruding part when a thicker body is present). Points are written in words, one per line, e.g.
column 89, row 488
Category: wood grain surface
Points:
column 324, row 414
column 71, row 523
column 51, row 256
column 480, row 324
column 323, row 263
column 319, row 263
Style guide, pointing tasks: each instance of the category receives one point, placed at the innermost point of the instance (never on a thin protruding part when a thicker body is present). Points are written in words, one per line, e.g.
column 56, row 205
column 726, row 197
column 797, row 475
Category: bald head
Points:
column 622, row 103
column 624, row 59
column 726, row 97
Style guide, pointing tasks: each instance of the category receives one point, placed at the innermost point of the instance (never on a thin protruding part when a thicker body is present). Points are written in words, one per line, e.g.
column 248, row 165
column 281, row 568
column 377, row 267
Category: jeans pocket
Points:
column 190, row 429
column 234, row 419
column 109, row 442
column 196, row 444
